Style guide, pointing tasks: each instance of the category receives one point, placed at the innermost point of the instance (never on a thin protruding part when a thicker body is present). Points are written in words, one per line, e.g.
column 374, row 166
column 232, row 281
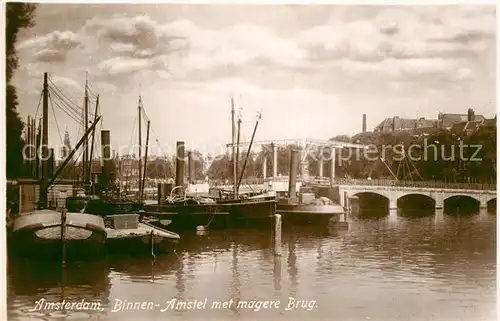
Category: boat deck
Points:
column 141, row 230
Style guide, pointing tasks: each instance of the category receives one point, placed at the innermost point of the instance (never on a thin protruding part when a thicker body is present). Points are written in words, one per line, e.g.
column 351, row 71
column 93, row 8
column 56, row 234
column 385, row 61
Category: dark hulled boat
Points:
column 49, row 234
column 192, row 212
column 41, row 234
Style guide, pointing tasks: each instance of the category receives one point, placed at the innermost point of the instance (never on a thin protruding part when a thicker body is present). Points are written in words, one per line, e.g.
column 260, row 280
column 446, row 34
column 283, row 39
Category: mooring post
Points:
column 63, row 236
column 277, row 234
column 152, row 245
column 347, row 206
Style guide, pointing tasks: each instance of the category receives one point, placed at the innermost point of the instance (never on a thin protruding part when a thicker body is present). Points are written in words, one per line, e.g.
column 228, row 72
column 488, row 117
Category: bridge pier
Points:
column 393, row 204
column 393, row 215
column 439, row 202
column 483, row 201
column 439, row 216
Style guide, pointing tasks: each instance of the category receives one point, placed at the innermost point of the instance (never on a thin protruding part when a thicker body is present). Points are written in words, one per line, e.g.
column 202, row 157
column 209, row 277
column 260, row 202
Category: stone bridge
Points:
column 394, row 193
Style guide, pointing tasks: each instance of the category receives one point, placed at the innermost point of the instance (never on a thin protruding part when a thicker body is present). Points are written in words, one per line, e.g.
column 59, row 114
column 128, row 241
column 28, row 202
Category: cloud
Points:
column 52, row 47
column 137, row 37
column 106, row 88
column 49, row 55
column 390, row 42
column 399, row 33
column 66, row 82
column 123, row 65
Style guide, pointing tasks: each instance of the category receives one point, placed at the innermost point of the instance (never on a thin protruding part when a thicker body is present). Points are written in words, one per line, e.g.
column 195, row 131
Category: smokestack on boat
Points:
column 179, row 165
column 191, row 167
column 106, row 155
column 292, row 181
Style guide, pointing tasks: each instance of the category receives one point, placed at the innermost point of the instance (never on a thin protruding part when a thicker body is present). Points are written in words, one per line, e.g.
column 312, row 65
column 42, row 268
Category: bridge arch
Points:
column 416, row 204
column 461, row 204
column 372, row 204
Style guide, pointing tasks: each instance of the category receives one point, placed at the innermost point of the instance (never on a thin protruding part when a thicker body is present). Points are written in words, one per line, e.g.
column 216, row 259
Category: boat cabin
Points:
column 122, row 222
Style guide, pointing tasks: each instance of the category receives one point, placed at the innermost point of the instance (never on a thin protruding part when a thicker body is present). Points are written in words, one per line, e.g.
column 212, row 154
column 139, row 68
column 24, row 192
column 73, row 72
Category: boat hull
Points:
column 219, row 215
column 252, row 213
column 38, row 236
column 189, row 215
column 140, row 241
column 309, row 214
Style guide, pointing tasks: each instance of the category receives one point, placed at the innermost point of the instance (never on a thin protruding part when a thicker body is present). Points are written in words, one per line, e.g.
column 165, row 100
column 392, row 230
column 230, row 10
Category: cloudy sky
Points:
column 311, row 70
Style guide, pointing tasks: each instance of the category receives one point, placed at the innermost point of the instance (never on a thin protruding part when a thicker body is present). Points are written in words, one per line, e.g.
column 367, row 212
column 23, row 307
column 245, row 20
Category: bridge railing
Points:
column 373, row 182
column 418, row 184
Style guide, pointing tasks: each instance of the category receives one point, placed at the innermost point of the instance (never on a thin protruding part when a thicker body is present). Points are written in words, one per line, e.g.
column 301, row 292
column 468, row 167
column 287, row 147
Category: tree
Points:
column 341, row 138
column 19, row 16
column 221, row 168
column 14, row 130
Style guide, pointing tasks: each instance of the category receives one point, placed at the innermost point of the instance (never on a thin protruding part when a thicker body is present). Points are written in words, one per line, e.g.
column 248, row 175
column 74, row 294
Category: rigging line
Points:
column 73, row 163
column 61, row 92
column 409, row 168
column 156, row 136
column 133, row 132
column 67, row 101
column 76, row 112
column 416, row 170
column 90, row 90
column 145, row 116
column 68, row 113
column 383, row 161
column 72, row 116
column 38, row 106
column 55, row 119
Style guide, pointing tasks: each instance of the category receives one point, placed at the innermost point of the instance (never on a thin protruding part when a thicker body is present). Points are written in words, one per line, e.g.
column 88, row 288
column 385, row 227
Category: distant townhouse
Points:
column 447, row 121
column 471, row 124
column 458, row 124
column 397, row 124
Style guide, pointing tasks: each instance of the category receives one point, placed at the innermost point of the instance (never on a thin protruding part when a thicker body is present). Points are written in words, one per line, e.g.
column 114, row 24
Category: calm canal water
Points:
column 409, row 269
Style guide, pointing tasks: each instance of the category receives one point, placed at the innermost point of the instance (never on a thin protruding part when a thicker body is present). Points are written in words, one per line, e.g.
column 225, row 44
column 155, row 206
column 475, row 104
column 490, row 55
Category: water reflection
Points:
column 413, row 269
column 29, row 282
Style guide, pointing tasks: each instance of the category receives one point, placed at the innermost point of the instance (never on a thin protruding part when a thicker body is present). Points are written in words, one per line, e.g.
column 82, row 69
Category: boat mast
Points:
column 238, row 150
column 235, row 174
column 33, row 152
column 248, row 152
column 30, row 143
column 140, row 147
column 145, row 160
column 45, row 141
column 93, row 138
column 85, row 128
column 70, row 156
column 37, row 154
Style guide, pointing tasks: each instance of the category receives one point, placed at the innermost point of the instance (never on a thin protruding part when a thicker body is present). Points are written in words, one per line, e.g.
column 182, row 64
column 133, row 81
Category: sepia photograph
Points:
column 250, row 161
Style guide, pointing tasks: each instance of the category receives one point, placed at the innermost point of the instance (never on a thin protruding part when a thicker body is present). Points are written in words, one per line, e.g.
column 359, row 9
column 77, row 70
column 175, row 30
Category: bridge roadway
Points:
column 390, row 189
